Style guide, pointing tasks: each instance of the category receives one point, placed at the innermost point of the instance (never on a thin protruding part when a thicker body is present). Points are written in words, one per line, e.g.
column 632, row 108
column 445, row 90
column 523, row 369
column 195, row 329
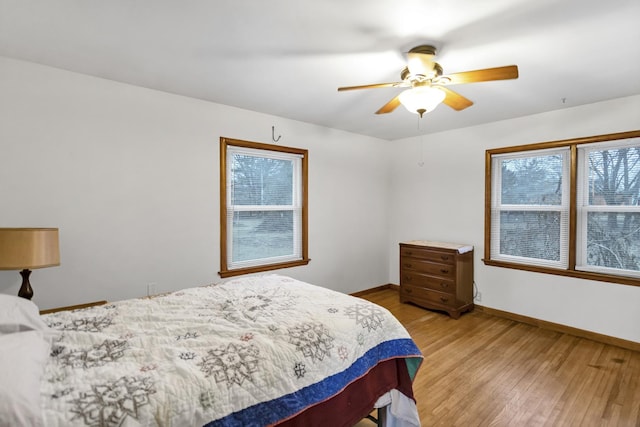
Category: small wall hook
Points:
column 273, row 134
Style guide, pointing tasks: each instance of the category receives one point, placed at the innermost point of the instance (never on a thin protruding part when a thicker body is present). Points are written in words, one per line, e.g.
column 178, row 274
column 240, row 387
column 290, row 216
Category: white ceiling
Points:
column 288, row 57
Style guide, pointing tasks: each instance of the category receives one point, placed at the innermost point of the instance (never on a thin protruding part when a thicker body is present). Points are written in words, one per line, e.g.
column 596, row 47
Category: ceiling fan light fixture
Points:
column 421, row 99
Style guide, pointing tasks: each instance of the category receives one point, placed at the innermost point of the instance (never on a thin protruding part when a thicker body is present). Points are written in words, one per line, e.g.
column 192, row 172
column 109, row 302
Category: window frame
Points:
column 225, row 269
column 562, row 208
column 571, row 270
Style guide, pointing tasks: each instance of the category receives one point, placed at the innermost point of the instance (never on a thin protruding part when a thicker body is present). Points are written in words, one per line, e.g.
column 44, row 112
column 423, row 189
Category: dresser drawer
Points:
column 427, row 267
column 443, row 257
column 423, row 294
column 441, row 284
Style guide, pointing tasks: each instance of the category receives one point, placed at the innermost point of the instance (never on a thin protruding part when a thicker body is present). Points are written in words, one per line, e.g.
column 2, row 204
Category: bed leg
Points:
column 382, row 417
column 381, row 421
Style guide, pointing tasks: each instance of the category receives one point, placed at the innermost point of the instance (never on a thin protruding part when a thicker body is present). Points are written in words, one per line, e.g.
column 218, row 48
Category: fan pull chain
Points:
column 421, row 162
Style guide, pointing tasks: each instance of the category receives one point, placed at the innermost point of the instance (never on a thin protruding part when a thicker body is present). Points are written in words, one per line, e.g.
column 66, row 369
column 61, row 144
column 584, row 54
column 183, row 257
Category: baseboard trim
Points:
column 72, row 307
column 376, row 289
column 557, row 327
column 543, row 324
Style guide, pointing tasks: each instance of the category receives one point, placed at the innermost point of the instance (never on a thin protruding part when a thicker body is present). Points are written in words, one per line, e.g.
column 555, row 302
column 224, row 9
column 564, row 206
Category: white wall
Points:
column 131, row 178
column 444, row 200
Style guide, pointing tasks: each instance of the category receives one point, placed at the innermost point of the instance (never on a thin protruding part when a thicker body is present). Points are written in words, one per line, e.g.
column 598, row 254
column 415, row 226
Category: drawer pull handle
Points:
column 444, row 285
column 409, row 253
column 444, row 271
column 408, row 265
column 408, row 291
column 407, row 278
column 444, row 257
column 444, row 299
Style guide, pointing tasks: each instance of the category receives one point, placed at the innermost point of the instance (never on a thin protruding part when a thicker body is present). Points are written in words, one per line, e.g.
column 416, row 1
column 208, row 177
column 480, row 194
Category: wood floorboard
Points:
column 483, row 370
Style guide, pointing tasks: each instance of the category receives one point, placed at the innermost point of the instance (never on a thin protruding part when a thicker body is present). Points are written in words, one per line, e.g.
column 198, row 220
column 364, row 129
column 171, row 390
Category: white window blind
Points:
column 608, row 208
column 530, row 207
column 264, row 207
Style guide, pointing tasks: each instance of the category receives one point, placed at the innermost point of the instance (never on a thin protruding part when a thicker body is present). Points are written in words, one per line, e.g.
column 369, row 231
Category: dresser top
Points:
column 453, row 246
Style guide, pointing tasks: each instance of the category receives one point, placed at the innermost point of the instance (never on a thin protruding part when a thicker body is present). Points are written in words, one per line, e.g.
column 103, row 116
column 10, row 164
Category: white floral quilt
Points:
column 250, row 351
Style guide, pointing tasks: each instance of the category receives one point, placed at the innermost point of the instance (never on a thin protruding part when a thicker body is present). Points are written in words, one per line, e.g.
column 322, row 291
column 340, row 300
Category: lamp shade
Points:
column 421, row 99
column 28, row 248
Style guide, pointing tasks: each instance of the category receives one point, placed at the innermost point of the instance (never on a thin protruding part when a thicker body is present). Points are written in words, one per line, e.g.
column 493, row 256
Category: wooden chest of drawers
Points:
column 437, row 275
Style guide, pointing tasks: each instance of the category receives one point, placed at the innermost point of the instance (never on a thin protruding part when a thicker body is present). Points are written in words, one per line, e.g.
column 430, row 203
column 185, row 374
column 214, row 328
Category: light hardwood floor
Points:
column 483, row 370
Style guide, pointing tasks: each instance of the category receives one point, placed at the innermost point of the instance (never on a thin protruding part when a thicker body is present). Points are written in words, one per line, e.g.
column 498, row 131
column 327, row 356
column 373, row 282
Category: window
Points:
column 608, row 208
column 566, row 207
column 263, row 207
column 530, row 209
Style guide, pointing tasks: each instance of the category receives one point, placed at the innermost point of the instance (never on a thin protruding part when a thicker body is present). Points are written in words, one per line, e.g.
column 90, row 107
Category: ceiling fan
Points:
column 428, row 86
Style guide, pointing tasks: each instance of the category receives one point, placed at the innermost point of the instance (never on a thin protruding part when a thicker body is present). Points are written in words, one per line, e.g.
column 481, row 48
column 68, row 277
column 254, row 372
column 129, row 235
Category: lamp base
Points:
column 25, row 290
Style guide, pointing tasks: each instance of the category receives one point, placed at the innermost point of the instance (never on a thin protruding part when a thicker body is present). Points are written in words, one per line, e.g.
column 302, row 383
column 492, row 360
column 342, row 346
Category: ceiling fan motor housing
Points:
column 424, row 49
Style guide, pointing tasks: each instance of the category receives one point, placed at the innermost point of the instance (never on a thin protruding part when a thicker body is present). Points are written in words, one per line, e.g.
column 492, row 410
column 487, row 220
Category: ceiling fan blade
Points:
column 454, row 99
column 389, row 106
column 373, row 86
column 484, row 75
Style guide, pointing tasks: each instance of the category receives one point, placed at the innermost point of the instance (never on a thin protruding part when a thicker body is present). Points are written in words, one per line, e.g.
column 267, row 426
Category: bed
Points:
column 254, row 351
